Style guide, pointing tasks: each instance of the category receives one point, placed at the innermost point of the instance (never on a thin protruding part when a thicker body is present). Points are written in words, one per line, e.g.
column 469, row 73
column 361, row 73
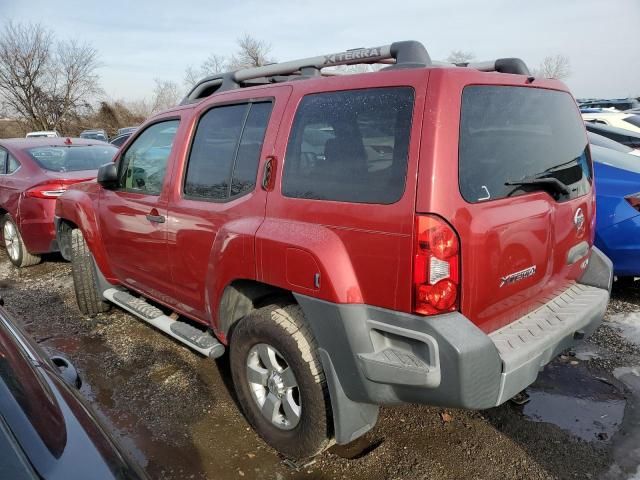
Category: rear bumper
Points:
column 381, row 357
column 39, row 236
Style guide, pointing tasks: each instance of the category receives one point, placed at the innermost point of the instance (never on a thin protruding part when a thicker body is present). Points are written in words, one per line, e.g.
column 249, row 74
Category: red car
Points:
column 420, row 234
column 33, row 174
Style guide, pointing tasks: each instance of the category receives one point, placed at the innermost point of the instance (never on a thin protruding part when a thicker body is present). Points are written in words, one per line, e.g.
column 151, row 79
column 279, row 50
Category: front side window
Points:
column 143, row 166
column 515, row 140
column 225, row 153
column 350, row 146
column 633, row 120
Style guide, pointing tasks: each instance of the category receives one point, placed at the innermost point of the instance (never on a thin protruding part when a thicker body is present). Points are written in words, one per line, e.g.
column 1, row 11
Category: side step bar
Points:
column 200, row 341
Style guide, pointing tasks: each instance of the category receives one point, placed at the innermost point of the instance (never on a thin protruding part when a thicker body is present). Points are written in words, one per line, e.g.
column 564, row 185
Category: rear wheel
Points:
column 279, row 381
column 85, row 282
column 16, row 249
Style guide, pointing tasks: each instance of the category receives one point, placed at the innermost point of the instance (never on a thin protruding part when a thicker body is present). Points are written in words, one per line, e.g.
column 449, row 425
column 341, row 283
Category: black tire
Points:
column 85, row 283
column 283, row 327
column 626, row 281
column 16, row 249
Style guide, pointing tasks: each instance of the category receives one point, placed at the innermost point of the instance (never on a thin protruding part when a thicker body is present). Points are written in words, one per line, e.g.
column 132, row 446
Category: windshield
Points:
column 633, row 120
column 615, row 159
column 599, row 140
column 93, row 136
column 72, row 158
column 515, row 134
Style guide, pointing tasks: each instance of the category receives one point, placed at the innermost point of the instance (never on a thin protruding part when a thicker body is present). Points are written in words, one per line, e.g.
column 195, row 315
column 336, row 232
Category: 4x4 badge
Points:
column 517, row 276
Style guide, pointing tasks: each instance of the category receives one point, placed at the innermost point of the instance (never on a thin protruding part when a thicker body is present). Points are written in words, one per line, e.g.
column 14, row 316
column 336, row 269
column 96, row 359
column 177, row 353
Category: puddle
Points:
column 570, row 397
column 628, row 324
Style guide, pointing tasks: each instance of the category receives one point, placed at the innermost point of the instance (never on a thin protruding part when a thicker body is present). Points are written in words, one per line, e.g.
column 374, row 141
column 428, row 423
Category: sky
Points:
column 141, row 40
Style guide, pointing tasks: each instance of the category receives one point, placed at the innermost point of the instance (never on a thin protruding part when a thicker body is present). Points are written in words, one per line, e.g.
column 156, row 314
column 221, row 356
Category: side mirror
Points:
column 108, row 175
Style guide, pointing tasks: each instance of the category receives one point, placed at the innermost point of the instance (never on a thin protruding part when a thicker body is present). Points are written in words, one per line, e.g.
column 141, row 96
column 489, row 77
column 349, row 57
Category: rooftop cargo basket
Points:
column 406, row 54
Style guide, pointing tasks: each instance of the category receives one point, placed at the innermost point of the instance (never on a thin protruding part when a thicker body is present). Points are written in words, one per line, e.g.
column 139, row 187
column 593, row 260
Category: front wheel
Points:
column 16, row 249
column 280, row 382
column 85, row 277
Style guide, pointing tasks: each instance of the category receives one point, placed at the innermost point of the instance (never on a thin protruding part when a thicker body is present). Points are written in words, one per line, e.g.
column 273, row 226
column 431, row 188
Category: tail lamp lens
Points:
column 634, row 200
column 49, row 189
column 436, row 266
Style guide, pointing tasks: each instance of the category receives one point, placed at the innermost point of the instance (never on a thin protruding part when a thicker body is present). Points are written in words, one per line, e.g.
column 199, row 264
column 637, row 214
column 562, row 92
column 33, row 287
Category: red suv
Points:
column 421, row 234
column 33, row 174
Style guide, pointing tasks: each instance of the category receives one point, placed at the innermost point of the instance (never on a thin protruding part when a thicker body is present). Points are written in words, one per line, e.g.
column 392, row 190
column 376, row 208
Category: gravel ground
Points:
column 175, row 413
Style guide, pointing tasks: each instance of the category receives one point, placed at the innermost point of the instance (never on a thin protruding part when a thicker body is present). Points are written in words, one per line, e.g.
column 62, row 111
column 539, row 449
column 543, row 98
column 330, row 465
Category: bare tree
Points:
column 166, row 94
column 556, row 66
column 459, row 56
column 212, row 65
column 251, row 53
column 42, row 80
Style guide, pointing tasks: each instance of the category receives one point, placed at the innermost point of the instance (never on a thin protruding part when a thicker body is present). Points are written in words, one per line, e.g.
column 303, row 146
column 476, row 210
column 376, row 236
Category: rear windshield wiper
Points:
column 548, row 183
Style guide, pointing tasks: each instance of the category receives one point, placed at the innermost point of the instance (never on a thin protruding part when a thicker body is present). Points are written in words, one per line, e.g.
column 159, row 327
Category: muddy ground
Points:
column 174, row 412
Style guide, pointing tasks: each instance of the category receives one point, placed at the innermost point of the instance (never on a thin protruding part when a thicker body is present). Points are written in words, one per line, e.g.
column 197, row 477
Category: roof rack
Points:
column 405, row 54
column 501, row 65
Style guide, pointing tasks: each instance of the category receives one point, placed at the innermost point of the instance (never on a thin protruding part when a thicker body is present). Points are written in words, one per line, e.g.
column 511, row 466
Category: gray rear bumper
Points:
column 373, row 356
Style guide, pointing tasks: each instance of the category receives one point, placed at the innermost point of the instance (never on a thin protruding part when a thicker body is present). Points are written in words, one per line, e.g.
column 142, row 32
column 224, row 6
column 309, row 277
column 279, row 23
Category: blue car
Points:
column 617, row 177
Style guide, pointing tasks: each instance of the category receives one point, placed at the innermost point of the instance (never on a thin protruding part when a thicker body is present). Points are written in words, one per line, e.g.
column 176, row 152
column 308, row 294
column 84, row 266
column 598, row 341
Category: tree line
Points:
column 51, row 84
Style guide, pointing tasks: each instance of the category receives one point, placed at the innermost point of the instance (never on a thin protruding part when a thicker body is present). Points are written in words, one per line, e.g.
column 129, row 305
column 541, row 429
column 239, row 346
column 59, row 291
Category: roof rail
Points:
column 407, row 54
column 502, row 65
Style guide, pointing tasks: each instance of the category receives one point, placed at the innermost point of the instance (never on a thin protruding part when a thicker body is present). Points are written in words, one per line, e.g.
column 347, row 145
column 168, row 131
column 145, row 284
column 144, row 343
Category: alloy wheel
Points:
column 273, row 386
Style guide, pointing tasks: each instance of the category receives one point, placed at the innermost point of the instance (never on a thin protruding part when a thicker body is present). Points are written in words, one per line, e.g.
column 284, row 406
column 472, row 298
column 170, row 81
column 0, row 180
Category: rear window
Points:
column 74, row 158
column 350, row 146
column 516, row 134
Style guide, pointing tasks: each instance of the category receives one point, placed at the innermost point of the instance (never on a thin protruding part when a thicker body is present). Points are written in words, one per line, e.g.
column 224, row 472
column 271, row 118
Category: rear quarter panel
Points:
column 362, row 252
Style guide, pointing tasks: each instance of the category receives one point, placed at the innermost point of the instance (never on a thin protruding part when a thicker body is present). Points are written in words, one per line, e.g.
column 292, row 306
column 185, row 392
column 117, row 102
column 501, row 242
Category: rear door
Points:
column 217, row 202
column 527, row 213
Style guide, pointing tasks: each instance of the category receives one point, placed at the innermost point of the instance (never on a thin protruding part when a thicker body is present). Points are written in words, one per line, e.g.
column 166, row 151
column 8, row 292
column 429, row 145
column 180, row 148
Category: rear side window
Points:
column 519, row 134
column 224, row 157
column 3, row 161
column 350, row 146
column 12, row 165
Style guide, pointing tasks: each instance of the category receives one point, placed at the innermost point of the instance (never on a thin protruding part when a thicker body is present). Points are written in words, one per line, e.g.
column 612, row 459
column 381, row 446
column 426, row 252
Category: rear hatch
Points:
column 526, row 218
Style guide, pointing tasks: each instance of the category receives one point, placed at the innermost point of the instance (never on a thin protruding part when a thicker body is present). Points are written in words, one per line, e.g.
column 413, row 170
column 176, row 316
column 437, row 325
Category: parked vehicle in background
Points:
column 129, row 130
column 44, row 133
column 602, row 141
column 359, row 240
column 618, row 202
column 620, row 104
column 120, row 139
column 95, row 134
column 46, row 430
column 33, row 173
column 626, row 121
column 620, row 135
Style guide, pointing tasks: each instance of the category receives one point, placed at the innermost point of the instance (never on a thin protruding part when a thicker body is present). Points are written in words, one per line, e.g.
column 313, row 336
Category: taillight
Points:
column 436, row 266
column 49, row 189
column 634, row 200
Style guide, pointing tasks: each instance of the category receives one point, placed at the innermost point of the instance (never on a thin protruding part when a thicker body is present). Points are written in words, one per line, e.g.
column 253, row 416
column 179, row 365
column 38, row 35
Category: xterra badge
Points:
column 517, row 276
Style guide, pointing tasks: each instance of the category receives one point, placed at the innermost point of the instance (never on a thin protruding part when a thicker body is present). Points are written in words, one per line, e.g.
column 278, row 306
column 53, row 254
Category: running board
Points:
column 200, row 341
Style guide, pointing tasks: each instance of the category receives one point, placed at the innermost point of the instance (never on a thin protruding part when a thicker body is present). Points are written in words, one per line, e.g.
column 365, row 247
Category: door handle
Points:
column 154, row 217
column 269, row 173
